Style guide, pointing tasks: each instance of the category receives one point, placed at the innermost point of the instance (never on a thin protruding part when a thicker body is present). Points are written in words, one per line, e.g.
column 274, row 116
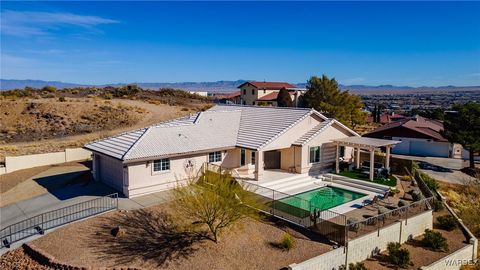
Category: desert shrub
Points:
column 416, row 195
column 431, row 183
column 434, row 240
column 49, row 88
column 397, row 255
column 402, row 203
column 75, row 92
column 437, row 205
column 407, row 178
column 393, row 191
column 62, row 99
column 184, row 110
column 107, row 96
column 446, row 222
column 288, row 242
column 382, row 210
column 354, row 226
column 357, row 266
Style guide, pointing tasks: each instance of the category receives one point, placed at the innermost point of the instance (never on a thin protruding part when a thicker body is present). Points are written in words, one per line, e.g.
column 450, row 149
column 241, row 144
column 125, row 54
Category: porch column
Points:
column 387, row 158
column 337, row 156
column 357, row 158
column 258, row 165
column 372, row 160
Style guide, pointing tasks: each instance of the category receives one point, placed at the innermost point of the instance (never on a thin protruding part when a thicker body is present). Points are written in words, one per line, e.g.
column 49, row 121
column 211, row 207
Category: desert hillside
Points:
column 46, row 120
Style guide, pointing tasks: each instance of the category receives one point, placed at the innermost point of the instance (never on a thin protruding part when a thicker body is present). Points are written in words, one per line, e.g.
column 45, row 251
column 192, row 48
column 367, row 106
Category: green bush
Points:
column 62, row 99
column 49, row 88
column 397, row 255
column 382, row 210
column 434, row 240
column 431, row 183
column 407, row 178
column 416, row 195
column 287, row 242
column 357, row 266
column 446, row 222
column 108, row 96
column 402, row 203
column 437, row 205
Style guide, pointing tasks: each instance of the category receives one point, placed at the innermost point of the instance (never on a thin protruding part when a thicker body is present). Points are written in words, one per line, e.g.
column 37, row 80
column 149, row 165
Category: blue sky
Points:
column 410, row 43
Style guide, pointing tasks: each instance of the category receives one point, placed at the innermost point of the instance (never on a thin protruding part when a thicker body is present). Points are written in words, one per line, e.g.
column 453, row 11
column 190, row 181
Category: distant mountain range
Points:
column 228, row 86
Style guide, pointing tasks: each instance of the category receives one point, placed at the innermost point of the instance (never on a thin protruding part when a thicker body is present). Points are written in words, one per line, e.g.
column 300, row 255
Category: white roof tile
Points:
column 221, row 127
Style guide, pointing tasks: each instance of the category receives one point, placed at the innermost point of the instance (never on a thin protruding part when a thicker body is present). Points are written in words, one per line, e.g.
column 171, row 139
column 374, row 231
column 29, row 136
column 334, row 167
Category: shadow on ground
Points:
column 69, row 185
column 149, row 236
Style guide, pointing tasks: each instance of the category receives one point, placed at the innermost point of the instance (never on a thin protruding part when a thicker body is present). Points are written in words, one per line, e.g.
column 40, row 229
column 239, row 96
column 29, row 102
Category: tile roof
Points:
column 314, row 132
column 428, row 127
column 273, row 96
column 269, row 85
column 232, row 125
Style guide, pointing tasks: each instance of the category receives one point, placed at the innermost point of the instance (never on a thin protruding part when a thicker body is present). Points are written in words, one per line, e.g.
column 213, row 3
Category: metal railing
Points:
column 39, row 223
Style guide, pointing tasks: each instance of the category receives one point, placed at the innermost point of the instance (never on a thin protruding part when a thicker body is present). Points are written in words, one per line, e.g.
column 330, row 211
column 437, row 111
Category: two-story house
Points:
column 265, row 93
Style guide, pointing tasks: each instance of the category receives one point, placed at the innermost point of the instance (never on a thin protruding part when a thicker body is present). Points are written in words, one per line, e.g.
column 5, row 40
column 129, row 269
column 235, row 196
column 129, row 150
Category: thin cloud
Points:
column 33, row 23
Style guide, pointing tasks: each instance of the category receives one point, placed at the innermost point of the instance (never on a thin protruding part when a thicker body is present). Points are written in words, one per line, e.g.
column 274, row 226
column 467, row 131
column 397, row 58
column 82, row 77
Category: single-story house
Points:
column 248, row 139
column 419, row 136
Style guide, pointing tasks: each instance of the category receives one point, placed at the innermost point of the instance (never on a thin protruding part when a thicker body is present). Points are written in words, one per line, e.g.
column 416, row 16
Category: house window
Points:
column 342, row 151
column 161, row 165
column 264, row 91
column 253, row 158
column 315, row 154
column 253, row 91
column 215, row 156
column 244, row 91
column 242, row 157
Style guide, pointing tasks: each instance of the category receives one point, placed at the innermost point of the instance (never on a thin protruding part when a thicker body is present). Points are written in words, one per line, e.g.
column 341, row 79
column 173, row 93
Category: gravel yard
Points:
column 153, row 241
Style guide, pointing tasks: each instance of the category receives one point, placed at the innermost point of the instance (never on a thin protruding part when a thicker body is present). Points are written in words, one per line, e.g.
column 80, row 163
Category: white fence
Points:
column 29, row 161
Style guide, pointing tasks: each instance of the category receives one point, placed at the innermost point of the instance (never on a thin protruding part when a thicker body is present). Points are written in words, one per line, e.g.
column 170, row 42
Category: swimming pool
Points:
column 322, row 198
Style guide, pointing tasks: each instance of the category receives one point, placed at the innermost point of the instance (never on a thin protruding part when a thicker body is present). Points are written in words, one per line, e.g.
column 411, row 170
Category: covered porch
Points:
column 368, row 144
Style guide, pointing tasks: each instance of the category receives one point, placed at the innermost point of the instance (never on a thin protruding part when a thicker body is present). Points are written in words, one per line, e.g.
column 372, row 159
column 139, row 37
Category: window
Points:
column 242, row 157
column 264, row 91
column 342, row 151
column 161, row 165
column 253, row 91
column 244, row 91
column 254, row 103
column 215, row 156
column 253, row 158
column 315, row 154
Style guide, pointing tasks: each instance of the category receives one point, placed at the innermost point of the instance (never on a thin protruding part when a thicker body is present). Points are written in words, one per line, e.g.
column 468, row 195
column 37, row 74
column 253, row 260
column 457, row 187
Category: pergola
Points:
column 370, row 144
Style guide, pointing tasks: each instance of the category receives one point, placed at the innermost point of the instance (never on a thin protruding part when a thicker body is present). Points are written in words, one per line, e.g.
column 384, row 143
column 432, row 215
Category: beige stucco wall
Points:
column 327, row 149
column 363, row 247
column 29, row 161
column 143, row 180
column 250, row 98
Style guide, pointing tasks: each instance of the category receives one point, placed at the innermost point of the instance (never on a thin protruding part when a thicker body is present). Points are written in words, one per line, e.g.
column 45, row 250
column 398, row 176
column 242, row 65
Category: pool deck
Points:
column 286, row 184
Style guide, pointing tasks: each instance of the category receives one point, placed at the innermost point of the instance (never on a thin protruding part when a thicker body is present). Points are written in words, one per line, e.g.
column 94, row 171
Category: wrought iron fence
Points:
column 378, row 221
column 39, row 223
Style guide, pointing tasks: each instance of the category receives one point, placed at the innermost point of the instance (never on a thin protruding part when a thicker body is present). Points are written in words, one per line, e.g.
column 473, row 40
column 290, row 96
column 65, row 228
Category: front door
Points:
column 272, row 159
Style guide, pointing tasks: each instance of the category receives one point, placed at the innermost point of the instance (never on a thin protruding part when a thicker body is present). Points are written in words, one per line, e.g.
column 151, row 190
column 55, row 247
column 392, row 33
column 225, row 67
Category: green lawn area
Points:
column 392, row 181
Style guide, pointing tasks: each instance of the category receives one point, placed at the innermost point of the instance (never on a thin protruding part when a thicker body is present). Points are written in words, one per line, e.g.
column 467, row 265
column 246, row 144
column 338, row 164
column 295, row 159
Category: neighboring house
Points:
column 248, row 139
column 228, row 98
column 420, row 136
column 200, row 93
column 265, row 93
column 386, row 118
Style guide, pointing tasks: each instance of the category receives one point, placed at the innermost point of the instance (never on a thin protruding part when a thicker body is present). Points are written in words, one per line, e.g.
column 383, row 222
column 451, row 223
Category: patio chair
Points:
column 370, row 202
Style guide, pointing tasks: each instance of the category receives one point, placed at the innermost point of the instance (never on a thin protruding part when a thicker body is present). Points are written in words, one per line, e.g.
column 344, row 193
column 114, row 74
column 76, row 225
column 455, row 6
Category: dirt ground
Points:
column 29, row 183
column 30, row 126
column 153, row 242
column 17, row 259
column 421, row 256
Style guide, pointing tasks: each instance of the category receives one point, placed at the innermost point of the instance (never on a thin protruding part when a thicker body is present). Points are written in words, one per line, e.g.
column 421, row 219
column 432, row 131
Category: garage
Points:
column 430, row 149
column 110, row 171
